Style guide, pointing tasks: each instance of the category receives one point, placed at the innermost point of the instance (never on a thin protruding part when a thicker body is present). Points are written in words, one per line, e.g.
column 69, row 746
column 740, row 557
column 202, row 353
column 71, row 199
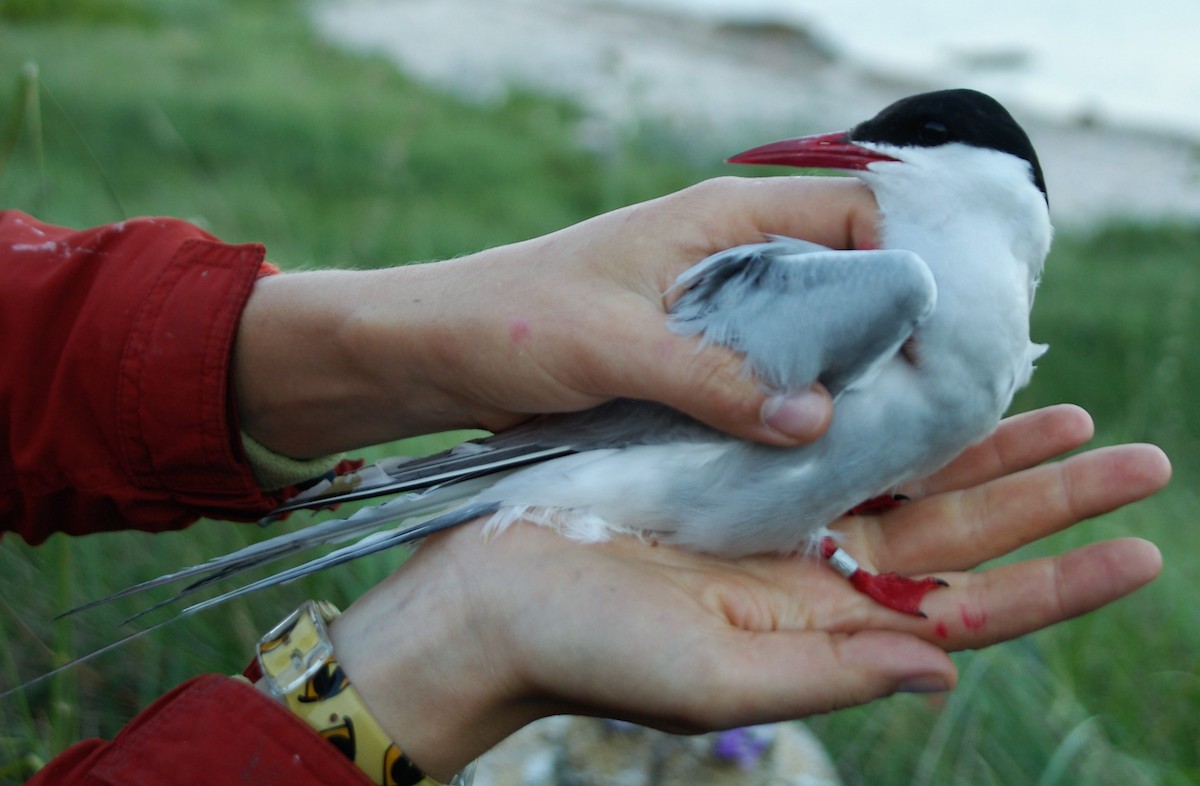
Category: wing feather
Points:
column 803, row 313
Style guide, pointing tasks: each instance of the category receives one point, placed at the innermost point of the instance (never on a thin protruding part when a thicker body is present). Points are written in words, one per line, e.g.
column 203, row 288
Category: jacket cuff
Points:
column 178, row 426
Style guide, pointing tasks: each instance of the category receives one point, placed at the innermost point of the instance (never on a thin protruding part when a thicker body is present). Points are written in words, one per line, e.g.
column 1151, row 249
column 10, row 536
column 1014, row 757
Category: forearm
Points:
column 334, row 360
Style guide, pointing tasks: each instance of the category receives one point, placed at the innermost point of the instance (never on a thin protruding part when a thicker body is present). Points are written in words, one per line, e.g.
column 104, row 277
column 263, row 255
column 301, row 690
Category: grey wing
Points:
column 801, row 312
column 426, row 485
column 618, row 423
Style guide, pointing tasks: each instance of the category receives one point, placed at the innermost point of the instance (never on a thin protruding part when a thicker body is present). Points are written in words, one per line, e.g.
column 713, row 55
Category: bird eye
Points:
column 933, row 133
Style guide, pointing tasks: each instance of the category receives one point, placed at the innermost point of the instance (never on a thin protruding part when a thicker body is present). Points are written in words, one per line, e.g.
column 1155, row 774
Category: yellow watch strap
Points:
column 300, row 670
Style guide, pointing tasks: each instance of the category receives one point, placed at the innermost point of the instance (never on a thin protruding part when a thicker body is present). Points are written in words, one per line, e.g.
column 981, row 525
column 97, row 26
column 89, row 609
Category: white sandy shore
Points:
column 724, row 88
column 730, row 87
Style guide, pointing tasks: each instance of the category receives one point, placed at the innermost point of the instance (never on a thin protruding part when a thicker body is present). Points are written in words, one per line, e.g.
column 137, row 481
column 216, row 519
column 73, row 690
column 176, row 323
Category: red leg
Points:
column 888, row 589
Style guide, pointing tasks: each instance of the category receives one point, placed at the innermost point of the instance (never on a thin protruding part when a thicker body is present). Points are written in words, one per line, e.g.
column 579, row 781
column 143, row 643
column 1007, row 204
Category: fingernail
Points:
column 929, row 683
column 798, row 416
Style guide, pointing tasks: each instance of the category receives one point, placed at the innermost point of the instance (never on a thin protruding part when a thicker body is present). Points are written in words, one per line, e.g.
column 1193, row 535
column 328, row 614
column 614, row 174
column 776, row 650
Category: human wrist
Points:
column 427, row 669
column 431, row 337
column 296, row 666
column 364, row 353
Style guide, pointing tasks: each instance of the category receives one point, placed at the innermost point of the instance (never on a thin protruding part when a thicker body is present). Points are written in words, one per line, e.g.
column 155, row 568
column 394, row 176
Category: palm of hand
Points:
column 690, row 642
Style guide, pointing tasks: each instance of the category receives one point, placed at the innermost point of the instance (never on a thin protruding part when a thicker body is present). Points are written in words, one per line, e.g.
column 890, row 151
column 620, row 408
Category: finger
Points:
column 716, row 389
column 775, row 676
column 959, row 530
column 1019, row 442
column 1009, row 601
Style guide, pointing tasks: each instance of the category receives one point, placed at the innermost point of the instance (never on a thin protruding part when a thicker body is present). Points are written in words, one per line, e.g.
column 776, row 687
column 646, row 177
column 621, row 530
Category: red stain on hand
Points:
column 973, row 621
column 941, row 631
column 518, row 329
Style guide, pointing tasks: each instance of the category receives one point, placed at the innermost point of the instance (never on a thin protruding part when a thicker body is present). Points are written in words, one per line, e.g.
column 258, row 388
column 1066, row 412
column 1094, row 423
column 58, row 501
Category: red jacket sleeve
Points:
column 114, row 377
column 212, row 731
column 115, row 412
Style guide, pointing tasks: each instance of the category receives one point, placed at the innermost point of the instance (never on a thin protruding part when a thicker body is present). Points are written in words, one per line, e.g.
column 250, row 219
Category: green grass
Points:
column 233, row 115
column 242, row 121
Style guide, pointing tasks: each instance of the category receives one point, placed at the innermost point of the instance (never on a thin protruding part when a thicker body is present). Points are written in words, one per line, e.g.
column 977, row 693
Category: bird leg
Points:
column 887, row 589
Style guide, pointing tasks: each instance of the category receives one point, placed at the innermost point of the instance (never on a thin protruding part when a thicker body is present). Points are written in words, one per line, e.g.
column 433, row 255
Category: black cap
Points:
column 945, row 116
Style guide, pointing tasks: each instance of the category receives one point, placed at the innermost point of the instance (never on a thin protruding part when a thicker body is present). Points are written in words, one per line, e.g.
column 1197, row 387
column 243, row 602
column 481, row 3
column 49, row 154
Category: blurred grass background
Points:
column 236, row 116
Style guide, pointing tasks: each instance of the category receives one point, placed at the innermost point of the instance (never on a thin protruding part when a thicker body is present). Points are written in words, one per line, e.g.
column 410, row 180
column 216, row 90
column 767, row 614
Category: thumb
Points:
column 712, row 384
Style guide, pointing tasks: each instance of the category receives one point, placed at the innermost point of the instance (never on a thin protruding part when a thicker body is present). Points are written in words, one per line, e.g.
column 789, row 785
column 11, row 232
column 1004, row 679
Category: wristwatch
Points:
column 298, row 668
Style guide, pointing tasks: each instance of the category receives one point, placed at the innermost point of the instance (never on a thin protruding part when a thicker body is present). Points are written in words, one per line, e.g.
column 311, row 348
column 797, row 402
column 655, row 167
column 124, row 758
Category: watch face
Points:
column 297, row 648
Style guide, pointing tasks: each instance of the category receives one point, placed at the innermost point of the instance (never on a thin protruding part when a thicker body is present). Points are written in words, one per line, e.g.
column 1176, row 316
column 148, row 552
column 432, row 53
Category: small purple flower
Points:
column 743, row 747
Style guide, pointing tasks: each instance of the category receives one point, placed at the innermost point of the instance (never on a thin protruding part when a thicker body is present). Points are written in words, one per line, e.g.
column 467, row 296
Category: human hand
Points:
column 557, row 323
column 483, row 637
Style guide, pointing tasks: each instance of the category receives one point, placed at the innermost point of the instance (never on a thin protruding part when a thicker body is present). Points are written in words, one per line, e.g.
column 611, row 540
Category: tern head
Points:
column 933, row 158
column 928, row 121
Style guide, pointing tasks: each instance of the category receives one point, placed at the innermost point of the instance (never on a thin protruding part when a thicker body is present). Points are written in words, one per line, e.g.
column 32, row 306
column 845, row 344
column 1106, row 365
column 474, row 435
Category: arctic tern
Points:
column 922, row 342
